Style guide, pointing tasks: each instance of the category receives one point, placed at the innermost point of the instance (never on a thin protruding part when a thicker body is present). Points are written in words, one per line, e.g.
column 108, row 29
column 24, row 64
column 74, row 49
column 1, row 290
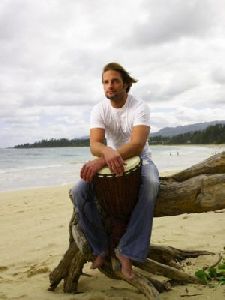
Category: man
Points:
column 124, row 122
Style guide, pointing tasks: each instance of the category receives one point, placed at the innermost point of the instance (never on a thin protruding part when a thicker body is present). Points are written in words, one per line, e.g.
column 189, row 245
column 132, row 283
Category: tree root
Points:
column 62, row 270
column 71, row 265
column 160, row 269
column 172, row 256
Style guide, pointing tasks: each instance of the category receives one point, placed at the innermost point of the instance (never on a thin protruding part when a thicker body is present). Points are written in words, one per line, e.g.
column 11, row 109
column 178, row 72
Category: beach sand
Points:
column 34, row 236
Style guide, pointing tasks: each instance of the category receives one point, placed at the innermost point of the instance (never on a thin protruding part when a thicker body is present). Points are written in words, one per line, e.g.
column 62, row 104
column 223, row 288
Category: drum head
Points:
column 130, row 164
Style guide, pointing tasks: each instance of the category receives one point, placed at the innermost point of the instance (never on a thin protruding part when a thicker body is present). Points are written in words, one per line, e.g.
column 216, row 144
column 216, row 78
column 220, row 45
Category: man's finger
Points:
column 88, row 174
column 82, row 172
column 119, row 165
column 116, row 168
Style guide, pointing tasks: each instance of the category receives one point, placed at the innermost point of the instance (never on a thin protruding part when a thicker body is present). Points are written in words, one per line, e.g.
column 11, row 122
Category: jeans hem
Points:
column 119, row 251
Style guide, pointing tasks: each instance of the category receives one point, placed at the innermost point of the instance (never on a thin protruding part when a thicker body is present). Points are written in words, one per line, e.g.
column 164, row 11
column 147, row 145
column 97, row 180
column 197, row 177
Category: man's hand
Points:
column 114, row 161
column 91, row 168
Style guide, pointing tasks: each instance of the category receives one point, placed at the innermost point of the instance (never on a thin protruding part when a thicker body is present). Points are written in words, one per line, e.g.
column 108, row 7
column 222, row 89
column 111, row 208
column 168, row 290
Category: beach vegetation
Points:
column 212, row 274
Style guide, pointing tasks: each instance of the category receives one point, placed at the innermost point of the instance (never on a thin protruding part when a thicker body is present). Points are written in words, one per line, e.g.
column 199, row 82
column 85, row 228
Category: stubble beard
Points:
column 117, row 97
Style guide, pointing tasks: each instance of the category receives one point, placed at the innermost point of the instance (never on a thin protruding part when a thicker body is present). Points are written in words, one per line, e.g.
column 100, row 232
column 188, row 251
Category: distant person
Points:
column 125, row 123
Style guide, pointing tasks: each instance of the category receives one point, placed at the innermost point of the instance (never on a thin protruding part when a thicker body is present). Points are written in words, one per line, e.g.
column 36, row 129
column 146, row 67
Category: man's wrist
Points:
column 101, row 161
column 106, row 150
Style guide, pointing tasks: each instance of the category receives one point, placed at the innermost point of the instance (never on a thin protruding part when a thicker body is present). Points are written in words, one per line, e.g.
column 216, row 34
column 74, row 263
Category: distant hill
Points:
column 172, row 131
column 214, row 134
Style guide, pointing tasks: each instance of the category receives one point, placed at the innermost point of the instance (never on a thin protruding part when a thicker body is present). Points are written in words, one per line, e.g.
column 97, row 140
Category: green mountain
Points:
column 214, row 134
column 171, row 131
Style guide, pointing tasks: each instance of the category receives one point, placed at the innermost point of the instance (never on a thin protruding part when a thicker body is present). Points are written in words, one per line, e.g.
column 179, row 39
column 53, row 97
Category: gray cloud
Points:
column 172, row 83
column 173, row 20
column 218, row 75
column 52, row 54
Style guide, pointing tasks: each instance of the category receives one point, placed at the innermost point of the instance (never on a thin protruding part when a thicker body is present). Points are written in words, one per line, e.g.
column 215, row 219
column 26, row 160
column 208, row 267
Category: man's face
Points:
column 113, row 85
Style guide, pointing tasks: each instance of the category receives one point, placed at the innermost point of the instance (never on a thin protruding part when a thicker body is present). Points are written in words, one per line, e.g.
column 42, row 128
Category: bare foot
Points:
column 126, row 266
column 98, row 262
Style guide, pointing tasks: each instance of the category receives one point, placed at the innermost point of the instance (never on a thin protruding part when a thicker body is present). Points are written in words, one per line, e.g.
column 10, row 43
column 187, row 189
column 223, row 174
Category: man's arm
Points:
column 115, row 158
column 138, row 139
column 139, row 136
column 111, row 157
column 106, row 156
column 97, row 138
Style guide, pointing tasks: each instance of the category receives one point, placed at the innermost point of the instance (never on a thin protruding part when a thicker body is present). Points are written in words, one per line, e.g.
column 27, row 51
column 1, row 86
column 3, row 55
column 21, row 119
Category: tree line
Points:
column 214, row 134
column 62, row 142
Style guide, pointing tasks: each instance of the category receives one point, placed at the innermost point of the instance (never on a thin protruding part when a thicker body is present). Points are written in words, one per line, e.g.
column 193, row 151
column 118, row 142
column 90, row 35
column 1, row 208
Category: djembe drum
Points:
column 117, row 197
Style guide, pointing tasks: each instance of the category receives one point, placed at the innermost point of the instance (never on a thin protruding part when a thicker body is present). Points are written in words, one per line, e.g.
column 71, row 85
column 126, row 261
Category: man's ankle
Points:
column 98, row 261
column 126, row 265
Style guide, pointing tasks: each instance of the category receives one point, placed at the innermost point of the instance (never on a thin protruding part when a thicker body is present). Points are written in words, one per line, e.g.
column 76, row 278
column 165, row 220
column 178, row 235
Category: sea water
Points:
column 38, row 167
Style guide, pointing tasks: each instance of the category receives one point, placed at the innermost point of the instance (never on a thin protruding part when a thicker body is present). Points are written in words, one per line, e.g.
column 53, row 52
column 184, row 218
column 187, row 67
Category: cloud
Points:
column 168, row 86
column 218, row 75
column 52, row 54
column 172, row 20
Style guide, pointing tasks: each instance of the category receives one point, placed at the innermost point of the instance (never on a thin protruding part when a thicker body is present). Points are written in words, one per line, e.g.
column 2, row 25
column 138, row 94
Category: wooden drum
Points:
column 117, row 196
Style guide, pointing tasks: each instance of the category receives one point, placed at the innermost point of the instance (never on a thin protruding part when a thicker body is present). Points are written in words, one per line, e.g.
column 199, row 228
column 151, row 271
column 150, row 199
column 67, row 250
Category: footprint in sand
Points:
column 37, row 269
column 3, row 296
column 3, row 268
column 186, row 217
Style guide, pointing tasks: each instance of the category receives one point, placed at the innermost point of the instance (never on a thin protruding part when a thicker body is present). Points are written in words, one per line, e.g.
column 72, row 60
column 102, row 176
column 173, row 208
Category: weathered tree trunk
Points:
column 197, row 189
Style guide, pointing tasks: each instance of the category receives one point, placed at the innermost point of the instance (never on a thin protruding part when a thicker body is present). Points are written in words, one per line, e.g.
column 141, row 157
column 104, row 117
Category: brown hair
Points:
column 124, row 74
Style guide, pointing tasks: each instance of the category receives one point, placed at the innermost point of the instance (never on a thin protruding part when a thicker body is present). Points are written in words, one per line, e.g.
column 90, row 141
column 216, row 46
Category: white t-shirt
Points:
column 118, row 122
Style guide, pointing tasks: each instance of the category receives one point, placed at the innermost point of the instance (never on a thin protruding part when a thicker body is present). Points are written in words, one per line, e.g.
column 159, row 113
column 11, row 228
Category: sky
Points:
column 52, row 53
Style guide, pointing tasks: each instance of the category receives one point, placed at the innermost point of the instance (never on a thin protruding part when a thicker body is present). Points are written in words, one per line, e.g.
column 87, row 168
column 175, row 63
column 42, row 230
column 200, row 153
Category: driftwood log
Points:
column 200, row 188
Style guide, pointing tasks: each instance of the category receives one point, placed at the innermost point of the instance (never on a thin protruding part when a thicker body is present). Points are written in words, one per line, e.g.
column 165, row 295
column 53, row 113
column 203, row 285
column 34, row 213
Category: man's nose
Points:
column 110, row 85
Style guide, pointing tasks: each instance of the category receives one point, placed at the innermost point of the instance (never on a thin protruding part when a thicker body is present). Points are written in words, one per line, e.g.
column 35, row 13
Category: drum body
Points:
column 117, row 196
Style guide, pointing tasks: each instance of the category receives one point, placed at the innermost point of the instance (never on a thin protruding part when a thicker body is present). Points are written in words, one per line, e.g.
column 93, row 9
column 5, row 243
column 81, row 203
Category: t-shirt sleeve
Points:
column 142, row 115
column 96, row 120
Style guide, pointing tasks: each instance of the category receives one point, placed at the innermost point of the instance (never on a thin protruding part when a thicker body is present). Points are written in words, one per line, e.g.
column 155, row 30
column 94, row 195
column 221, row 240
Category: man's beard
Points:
column 118, row 96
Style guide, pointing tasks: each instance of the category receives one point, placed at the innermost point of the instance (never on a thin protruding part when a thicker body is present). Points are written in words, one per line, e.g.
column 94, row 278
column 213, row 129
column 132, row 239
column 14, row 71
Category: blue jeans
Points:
column 134, row 244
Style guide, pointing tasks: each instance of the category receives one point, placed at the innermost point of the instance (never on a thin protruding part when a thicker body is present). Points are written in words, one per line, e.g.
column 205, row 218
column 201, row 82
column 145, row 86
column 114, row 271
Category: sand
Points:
column 34, row 236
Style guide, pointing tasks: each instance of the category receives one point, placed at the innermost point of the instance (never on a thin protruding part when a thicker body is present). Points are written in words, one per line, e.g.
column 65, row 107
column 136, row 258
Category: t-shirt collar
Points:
column 120, row 109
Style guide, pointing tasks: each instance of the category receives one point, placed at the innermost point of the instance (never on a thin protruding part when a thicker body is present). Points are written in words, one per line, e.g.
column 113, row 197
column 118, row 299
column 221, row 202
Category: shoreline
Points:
column 162, row 174
column 34, row 236
column 61, row 166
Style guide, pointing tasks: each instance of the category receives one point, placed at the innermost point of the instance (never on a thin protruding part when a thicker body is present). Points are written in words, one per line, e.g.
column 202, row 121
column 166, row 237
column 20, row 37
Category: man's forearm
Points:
column 114, row 158
column 130, row 149
column 97, row 149
column 126, row 150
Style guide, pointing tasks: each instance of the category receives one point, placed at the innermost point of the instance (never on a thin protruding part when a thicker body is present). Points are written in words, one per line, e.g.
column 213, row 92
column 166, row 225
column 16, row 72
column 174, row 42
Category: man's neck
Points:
column 119, row 103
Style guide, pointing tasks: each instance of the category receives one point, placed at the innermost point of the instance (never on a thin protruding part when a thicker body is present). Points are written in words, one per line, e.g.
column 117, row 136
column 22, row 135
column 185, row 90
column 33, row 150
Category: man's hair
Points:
column 124, row 74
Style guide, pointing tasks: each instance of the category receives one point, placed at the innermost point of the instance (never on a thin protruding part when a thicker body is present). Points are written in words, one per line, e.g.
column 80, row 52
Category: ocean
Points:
column 41, row 167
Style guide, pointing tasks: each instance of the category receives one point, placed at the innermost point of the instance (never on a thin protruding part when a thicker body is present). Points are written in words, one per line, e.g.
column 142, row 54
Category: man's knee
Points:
column 79, row 192
column 155, row 187
column 152, row 186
